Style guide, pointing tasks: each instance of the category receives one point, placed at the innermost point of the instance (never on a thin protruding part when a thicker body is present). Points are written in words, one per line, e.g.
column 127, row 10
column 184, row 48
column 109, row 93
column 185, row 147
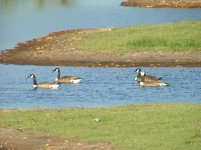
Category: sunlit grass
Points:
column 183, row 36
column 163, row 43
column 145, row 127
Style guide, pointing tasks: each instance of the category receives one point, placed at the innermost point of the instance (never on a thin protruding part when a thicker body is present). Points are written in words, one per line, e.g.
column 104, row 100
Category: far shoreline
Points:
column 162, row 4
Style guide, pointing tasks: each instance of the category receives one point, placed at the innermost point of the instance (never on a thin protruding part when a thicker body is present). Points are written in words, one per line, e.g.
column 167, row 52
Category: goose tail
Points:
column 54, row 86
column 163, row 84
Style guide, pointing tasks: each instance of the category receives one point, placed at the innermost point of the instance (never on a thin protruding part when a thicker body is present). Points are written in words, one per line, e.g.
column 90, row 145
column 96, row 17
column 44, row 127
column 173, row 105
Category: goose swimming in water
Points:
column 146, row 78
column 65, row 79
column 150, row 83
column 43, row 84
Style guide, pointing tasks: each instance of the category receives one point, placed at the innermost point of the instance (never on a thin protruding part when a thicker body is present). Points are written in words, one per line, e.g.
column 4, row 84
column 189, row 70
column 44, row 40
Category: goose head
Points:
column 138, row 70
column 56, row 70
column 31, row 76
column 58, row 73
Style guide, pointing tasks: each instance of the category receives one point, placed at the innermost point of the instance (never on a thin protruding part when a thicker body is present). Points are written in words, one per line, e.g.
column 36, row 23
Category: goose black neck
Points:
column 34, row 81
column 58, row 74
column 139, row 75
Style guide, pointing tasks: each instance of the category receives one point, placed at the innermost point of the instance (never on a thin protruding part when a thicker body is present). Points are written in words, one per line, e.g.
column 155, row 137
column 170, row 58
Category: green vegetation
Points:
column 150, row 127
column 183, row 36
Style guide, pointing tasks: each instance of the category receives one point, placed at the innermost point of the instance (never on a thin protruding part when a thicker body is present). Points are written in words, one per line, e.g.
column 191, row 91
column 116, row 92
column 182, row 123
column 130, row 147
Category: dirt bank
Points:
column 163, row 3
column 56, row 49
column 18, row 139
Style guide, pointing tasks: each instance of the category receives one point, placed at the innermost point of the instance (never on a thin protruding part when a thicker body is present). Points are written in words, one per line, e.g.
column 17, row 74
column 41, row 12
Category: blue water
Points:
column 100, row 87
column 22, row 20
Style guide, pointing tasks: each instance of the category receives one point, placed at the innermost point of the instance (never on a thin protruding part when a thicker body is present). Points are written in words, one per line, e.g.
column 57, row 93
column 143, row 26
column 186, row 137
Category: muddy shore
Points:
column 53, row 49
column 18, row 139
column 163, row 4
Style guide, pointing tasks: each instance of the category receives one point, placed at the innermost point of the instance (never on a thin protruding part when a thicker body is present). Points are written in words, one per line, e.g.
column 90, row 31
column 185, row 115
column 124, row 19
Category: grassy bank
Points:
column 155, row 126
column 170, row 44
column 182, row 36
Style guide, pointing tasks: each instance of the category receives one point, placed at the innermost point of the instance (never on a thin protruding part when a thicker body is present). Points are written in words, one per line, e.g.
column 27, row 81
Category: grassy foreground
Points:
column 153, row 126
column 181, row 36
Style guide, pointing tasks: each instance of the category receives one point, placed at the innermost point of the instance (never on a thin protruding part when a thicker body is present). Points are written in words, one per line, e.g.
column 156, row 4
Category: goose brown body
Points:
column 153, row 83
column 44, row 85
column 146, row 78
column 66, row 79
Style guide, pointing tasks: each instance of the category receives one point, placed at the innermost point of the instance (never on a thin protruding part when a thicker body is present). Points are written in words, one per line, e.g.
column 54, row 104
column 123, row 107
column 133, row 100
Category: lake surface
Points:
column 22, row 20
column 100, row 87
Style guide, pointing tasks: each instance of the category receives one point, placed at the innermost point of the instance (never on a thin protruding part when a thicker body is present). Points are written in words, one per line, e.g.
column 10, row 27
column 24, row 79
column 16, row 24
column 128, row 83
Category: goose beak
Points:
column 136, row 70
column 55, row 69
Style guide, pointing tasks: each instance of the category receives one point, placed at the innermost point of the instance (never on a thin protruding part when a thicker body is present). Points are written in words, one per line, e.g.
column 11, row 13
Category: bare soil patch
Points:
column 56, row 49
column 18, row 139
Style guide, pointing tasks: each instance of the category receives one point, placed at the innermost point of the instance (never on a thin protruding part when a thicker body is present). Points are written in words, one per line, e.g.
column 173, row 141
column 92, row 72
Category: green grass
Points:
column 183, row 36
column 140, row 127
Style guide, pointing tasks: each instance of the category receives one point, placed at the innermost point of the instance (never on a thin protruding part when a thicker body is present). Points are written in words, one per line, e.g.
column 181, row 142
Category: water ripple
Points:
column 100, row 87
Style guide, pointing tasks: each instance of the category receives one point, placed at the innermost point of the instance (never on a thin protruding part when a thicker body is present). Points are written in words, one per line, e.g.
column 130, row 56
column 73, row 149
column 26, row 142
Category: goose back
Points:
column 47, row 85
column 69, row 79
column 42, row 84
column 151, row 83
column 146, row 77
column 65, row 79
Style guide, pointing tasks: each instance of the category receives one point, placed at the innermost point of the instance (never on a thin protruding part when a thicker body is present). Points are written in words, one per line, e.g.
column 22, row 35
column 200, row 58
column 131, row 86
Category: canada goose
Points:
column 66, row 79
column 146, row 78
column 42, row 84
column 150, row 83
